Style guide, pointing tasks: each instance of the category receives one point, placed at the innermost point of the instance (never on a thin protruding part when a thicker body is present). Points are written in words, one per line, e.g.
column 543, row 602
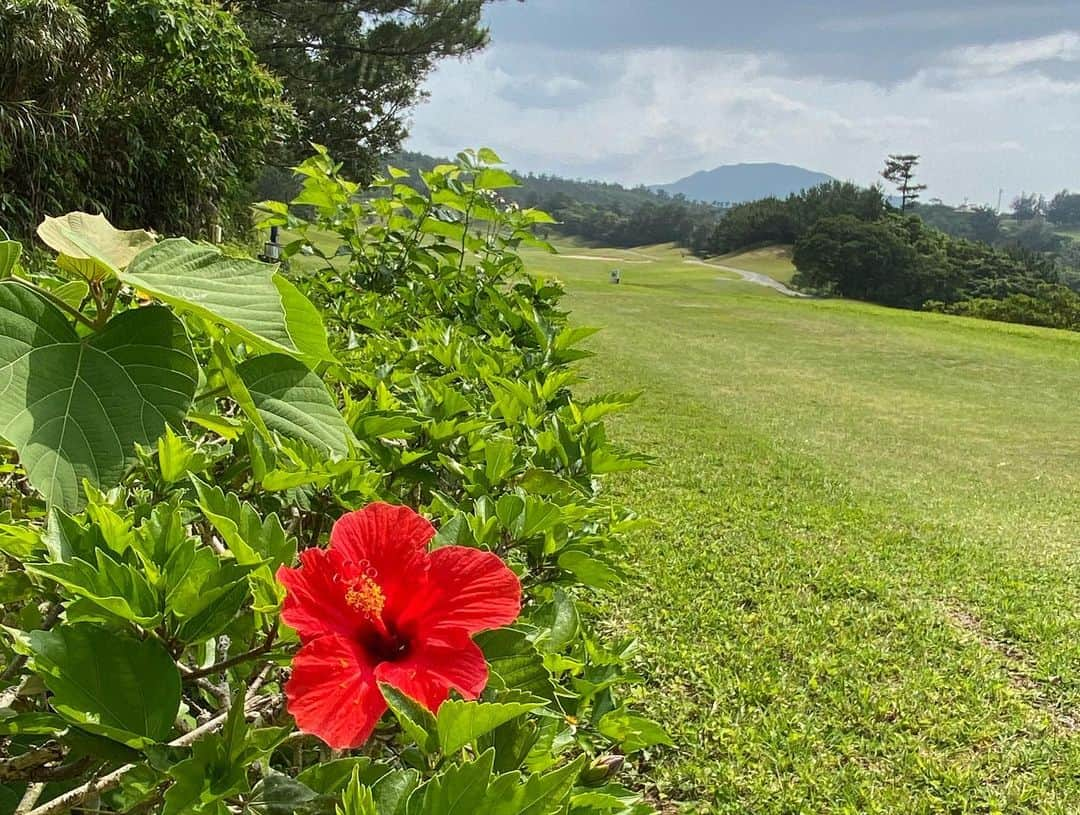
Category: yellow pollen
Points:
column 365, row 596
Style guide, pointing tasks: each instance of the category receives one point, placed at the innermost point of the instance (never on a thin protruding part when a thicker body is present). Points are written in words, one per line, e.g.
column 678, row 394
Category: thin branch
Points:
column 21, row 766
column 71, row 799
column 192, row 674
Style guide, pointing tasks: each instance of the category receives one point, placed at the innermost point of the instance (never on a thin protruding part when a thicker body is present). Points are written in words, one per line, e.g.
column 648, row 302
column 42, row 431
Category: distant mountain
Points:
column 738, row 183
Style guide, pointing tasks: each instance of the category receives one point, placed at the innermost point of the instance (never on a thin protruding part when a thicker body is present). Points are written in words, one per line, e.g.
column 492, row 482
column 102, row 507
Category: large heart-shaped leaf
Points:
column 89, row 246
column 293, row 400
column 244, row 295
column 107, row 683
column 75, row 408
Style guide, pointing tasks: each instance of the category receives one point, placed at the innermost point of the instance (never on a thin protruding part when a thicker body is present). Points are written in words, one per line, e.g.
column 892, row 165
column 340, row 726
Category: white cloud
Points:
column 653, row 115
column 1001, row 58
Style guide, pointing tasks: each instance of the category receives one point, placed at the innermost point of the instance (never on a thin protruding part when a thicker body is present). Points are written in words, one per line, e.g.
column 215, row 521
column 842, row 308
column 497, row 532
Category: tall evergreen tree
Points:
column 353, row 68
column 900, row 172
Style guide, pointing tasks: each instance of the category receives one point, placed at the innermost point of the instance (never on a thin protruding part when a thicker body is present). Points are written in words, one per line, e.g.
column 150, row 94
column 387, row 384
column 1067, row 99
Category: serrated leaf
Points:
column 415, row 719
column 461, row 789
column 460, row 723
column 252, row 539
column 107, row 683
column 91, row 247
column 117, row 588
column 515, row 663
column 357, row 798
column 292, row 400
column 243, row 295
column 74, row 409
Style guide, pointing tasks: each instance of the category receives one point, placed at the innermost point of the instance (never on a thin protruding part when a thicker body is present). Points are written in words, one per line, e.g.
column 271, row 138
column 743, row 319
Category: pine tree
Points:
column 900, row 172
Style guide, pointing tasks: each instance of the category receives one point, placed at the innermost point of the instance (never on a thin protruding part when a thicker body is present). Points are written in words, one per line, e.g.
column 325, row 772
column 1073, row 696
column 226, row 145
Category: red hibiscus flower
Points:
column 376, row 606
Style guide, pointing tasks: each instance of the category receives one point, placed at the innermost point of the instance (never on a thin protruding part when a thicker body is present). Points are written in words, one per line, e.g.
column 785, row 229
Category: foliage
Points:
column 975, row 224
column 772, row 220
column 900, row 172
column 1064, row 208
column 352, row 69
column 603, row 213
column 154, row 112
column 899, row 261
column 143, row 657
column 1027, row 206
column 1052, row 306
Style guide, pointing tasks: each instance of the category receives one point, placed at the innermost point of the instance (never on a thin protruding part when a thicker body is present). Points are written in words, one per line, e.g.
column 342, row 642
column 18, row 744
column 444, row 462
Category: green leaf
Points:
column 73, row 292
column 357, row 799
column 203, row 594
column 91, row 247
column 75, row 409
column 542, row 794
column 591, row 571
column 515, row 663
column 34, row 724
column 293, row 400
column 277, row 794
column 107, row 683
column 331, row 777
column 117, row 588
column 177, row 457
column 243, row 295
column 218, row 767
column 253, row 540
column 9, row 255
column 492, row 178
column 470, row 788
column 20, row 542
column 630, row 732
column 461, row 723
column 415, row 719
column 560, row 616
column 461, row 789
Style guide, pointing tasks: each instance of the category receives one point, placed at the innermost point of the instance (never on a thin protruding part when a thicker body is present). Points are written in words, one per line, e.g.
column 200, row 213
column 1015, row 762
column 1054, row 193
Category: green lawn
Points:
column 862, row 592
column 774, row 261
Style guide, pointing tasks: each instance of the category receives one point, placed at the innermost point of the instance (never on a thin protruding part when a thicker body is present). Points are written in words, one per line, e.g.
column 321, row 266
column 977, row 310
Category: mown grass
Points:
column 774, row 261
column 861, row 592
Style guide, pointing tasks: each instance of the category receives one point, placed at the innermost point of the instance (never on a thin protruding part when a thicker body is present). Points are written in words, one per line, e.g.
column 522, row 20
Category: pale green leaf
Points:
column 630, row 732
column 91, row 247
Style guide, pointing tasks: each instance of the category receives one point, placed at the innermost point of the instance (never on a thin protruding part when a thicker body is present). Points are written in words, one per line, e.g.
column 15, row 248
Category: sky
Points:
column 648, row 91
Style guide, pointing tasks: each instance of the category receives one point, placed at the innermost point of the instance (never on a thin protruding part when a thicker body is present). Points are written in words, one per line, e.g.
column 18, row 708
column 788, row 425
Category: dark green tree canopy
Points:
column 154, row 112
column 353, row 68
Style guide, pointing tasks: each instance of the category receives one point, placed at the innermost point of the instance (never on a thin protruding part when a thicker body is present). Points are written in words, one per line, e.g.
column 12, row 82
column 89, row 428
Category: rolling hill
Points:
column 738, row 183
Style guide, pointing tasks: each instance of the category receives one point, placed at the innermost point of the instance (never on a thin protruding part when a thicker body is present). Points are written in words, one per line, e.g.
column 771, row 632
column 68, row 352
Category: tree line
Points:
column 169, row 113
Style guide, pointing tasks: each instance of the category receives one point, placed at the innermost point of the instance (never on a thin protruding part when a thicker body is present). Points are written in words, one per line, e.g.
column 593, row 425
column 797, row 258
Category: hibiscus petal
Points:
column 434, row 666
column 314, row 600
column 385, row 542
column 333, row 693
column 468, row 589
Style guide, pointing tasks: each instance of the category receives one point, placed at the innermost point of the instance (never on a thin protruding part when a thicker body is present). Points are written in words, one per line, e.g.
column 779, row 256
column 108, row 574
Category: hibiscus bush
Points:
column 317, row 537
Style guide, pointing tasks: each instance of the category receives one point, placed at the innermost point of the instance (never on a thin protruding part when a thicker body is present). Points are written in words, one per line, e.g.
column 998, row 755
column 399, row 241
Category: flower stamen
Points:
column 365, row 596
